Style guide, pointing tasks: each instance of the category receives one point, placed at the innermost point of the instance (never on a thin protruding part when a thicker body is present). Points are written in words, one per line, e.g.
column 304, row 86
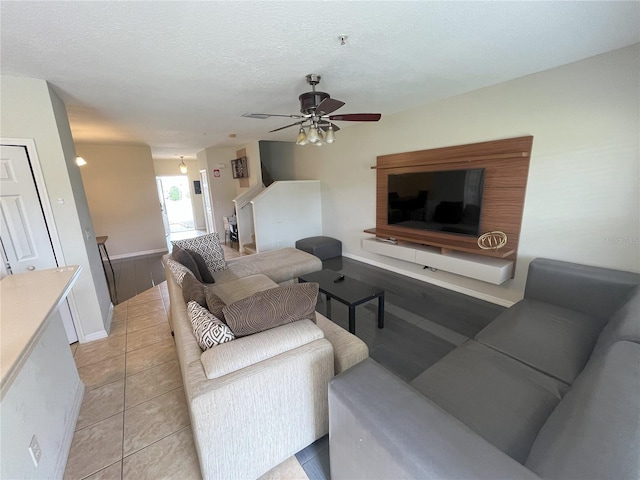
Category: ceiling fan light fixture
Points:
column 182, row 166
column 313, row 136
column 80, row 161
column 330, row 136
column 302, row 137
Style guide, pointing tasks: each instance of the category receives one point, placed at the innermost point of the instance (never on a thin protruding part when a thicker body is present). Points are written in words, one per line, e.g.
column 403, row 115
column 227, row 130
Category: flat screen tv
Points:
column 448, row 201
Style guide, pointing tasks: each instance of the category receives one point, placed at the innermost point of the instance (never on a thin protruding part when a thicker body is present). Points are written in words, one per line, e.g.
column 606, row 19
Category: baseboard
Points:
column 138, row 254
column 96, row 336
column 69, row 430
column 449, row 286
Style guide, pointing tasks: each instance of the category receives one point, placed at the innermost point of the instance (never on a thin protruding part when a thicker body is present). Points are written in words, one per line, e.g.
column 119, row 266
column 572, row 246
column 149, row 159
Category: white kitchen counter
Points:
column 27, row 301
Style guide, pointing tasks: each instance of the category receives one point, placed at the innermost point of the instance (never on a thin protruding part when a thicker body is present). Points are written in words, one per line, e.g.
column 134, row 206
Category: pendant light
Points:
column 80, row 161
column 182, row 166
column 330, row 136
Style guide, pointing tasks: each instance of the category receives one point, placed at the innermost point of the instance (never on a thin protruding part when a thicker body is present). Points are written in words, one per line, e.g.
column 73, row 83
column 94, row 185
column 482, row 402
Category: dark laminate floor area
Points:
column 133, row 276
column 423, row 323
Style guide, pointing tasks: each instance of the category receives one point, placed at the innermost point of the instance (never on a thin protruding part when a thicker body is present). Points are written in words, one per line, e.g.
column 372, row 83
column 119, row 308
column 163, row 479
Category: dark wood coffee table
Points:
column 349, row 291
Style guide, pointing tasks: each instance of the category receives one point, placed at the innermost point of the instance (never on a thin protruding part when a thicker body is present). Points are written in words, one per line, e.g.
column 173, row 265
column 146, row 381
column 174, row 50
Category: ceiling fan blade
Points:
column 357, row 117
column 262, row 116
column 287, row 126
column 327, row 106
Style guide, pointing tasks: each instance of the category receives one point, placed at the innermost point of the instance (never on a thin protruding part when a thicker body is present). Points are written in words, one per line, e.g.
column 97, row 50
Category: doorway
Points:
column 175, row 198
column 27, row 230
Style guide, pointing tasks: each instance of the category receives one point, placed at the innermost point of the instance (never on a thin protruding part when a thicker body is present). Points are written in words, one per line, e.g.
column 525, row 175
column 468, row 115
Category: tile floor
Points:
column 134, row 421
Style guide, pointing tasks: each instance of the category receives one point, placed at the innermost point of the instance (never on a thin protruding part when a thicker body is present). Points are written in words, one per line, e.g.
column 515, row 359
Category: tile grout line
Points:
column 124, row 398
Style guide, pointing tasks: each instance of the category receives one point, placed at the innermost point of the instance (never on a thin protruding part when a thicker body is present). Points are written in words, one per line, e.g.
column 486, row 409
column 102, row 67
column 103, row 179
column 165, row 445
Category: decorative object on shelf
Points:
column 239, row 167
column 315, row 108
column 492, row 240
column 182, row 166
column 80, row 161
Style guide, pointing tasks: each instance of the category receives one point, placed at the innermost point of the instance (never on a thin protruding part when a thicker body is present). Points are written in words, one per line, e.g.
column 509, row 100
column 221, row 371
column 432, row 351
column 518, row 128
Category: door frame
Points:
column 34, row 160
column 209, row 216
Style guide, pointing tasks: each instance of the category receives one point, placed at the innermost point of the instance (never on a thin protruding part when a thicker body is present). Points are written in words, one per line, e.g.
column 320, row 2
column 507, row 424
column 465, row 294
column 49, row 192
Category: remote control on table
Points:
column 339, row 279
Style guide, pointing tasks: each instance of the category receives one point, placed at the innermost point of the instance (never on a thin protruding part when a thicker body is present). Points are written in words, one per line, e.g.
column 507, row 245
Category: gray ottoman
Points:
column 322, row 247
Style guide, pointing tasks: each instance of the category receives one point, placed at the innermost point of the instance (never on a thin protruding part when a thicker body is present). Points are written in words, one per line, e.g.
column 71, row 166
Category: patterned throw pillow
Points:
column 178, row 271
column 272, row 308
column 208, row 330
column 208, row 246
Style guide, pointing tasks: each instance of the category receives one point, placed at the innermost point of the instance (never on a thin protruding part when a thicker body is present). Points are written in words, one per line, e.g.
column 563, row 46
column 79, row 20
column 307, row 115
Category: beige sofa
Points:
column 257, row 400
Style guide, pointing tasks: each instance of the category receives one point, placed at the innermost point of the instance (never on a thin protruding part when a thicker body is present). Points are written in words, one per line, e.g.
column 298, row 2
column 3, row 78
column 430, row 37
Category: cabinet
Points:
column 480, row 267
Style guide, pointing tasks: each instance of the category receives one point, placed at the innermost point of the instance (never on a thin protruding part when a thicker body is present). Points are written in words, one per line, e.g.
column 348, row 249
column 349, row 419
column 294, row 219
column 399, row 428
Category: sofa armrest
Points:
column 347, row 348
column 380, row 427
column 242, row 352
column 591, row 290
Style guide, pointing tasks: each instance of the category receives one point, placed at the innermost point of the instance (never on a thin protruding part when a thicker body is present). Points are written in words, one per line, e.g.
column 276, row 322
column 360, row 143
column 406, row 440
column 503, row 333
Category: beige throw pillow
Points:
column 272, row 308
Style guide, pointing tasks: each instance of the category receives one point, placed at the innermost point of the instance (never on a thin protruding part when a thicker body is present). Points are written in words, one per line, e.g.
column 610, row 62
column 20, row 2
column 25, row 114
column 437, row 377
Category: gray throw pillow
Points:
column 272, row 308
column 193, row 291
column 214, row 303
column 185, row 258
column 202, row 267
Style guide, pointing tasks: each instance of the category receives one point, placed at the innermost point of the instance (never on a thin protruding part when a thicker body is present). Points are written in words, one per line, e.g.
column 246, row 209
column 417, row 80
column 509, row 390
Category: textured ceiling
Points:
column 178, row 75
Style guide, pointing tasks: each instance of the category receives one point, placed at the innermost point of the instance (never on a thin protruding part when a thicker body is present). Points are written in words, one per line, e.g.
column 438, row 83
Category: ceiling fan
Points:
column 316, row 108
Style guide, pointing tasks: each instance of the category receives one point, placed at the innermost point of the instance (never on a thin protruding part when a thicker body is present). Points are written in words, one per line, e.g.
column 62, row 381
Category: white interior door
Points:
column 24, row 234
column 206, row 200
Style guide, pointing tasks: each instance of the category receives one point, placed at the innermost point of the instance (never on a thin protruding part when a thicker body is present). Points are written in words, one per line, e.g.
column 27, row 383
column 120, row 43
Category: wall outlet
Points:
column 34, row 450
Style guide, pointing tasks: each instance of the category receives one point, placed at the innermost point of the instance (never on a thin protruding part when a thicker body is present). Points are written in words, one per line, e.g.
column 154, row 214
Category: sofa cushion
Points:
column 624, row 325
column 594, row 432
column 549, row 338
column 193, row 290
column 231, row 292
column 178, row 271
column 253, row 349
column 208, row 246
column 279, row 265
column 183, row 257
column 214, row 303
column 501, row 399
column 208, row 330
column 271, row 308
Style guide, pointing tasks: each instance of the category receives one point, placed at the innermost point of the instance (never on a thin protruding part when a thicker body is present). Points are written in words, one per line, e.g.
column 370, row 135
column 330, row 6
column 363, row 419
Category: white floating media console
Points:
column 487, row 269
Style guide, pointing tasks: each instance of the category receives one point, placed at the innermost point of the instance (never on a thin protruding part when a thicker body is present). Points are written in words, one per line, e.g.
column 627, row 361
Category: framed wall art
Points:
column 239, row 168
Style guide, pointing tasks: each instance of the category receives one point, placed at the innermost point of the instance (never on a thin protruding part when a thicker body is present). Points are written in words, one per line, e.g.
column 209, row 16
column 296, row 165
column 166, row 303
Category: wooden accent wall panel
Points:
column 506, row 164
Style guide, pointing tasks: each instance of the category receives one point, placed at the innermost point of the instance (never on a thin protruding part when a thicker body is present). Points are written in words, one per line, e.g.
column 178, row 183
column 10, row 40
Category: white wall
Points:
column 169, row 167
column 44, row 400
column 123, row 200
column 583, row 190
column 286, row 212
column 223, row 189
column 30, row 109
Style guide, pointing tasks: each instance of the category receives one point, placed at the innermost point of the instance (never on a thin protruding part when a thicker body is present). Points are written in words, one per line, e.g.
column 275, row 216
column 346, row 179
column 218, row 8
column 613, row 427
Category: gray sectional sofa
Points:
column 550, row 389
